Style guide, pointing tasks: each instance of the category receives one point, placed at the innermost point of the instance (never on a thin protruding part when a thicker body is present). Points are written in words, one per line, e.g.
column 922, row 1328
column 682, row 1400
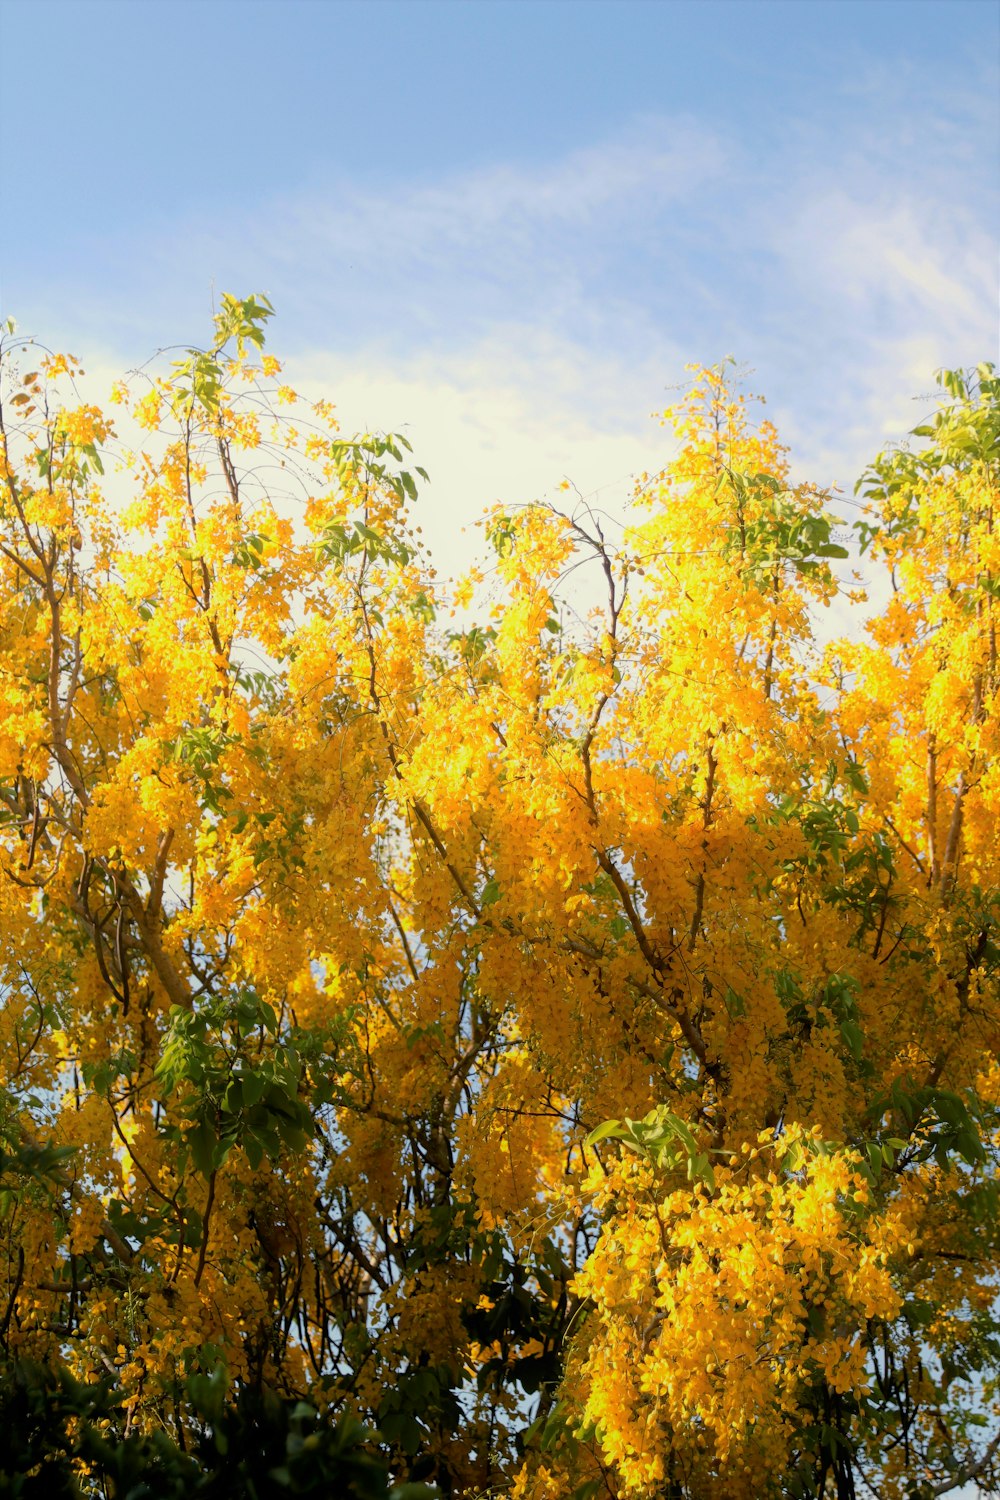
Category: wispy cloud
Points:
column 441, row 263
column 506, row 420
column 525, row 320
column 888, row 288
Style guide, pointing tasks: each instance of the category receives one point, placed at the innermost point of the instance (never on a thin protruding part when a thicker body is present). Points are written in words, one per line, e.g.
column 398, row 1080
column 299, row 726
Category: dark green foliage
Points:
column 60, row 1437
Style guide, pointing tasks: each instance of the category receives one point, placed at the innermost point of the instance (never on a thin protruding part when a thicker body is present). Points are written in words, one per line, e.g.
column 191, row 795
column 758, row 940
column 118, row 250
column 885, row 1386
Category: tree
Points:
column 564, row 1043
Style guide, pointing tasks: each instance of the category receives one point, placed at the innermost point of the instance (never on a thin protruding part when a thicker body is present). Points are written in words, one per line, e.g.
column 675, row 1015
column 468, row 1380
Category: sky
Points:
column 507, row 227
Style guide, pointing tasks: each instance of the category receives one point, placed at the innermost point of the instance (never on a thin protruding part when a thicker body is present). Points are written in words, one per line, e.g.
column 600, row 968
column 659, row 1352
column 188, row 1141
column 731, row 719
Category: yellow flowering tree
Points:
column 561, row 1039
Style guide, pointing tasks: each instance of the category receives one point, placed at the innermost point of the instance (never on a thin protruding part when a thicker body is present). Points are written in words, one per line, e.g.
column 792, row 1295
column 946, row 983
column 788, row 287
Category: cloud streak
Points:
column 517, row 316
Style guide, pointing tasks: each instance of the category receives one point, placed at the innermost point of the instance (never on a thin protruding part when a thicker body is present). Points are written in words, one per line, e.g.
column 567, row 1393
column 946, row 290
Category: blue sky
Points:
column 510, row 225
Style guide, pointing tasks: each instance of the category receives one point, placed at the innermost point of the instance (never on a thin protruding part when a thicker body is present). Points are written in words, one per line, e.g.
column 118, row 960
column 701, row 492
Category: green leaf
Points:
column 854, row 1037
column 609, row 1130
column 402, row 1429
column 252, row 1086
column 253, row 1149
column 202, row 1142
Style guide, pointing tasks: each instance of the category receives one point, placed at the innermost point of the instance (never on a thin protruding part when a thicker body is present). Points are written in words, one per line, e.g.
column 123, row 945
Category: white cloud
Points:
column 525, row 321
column 506, row 420
column 887, row 258
column 890, row 286
column 847, row 280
